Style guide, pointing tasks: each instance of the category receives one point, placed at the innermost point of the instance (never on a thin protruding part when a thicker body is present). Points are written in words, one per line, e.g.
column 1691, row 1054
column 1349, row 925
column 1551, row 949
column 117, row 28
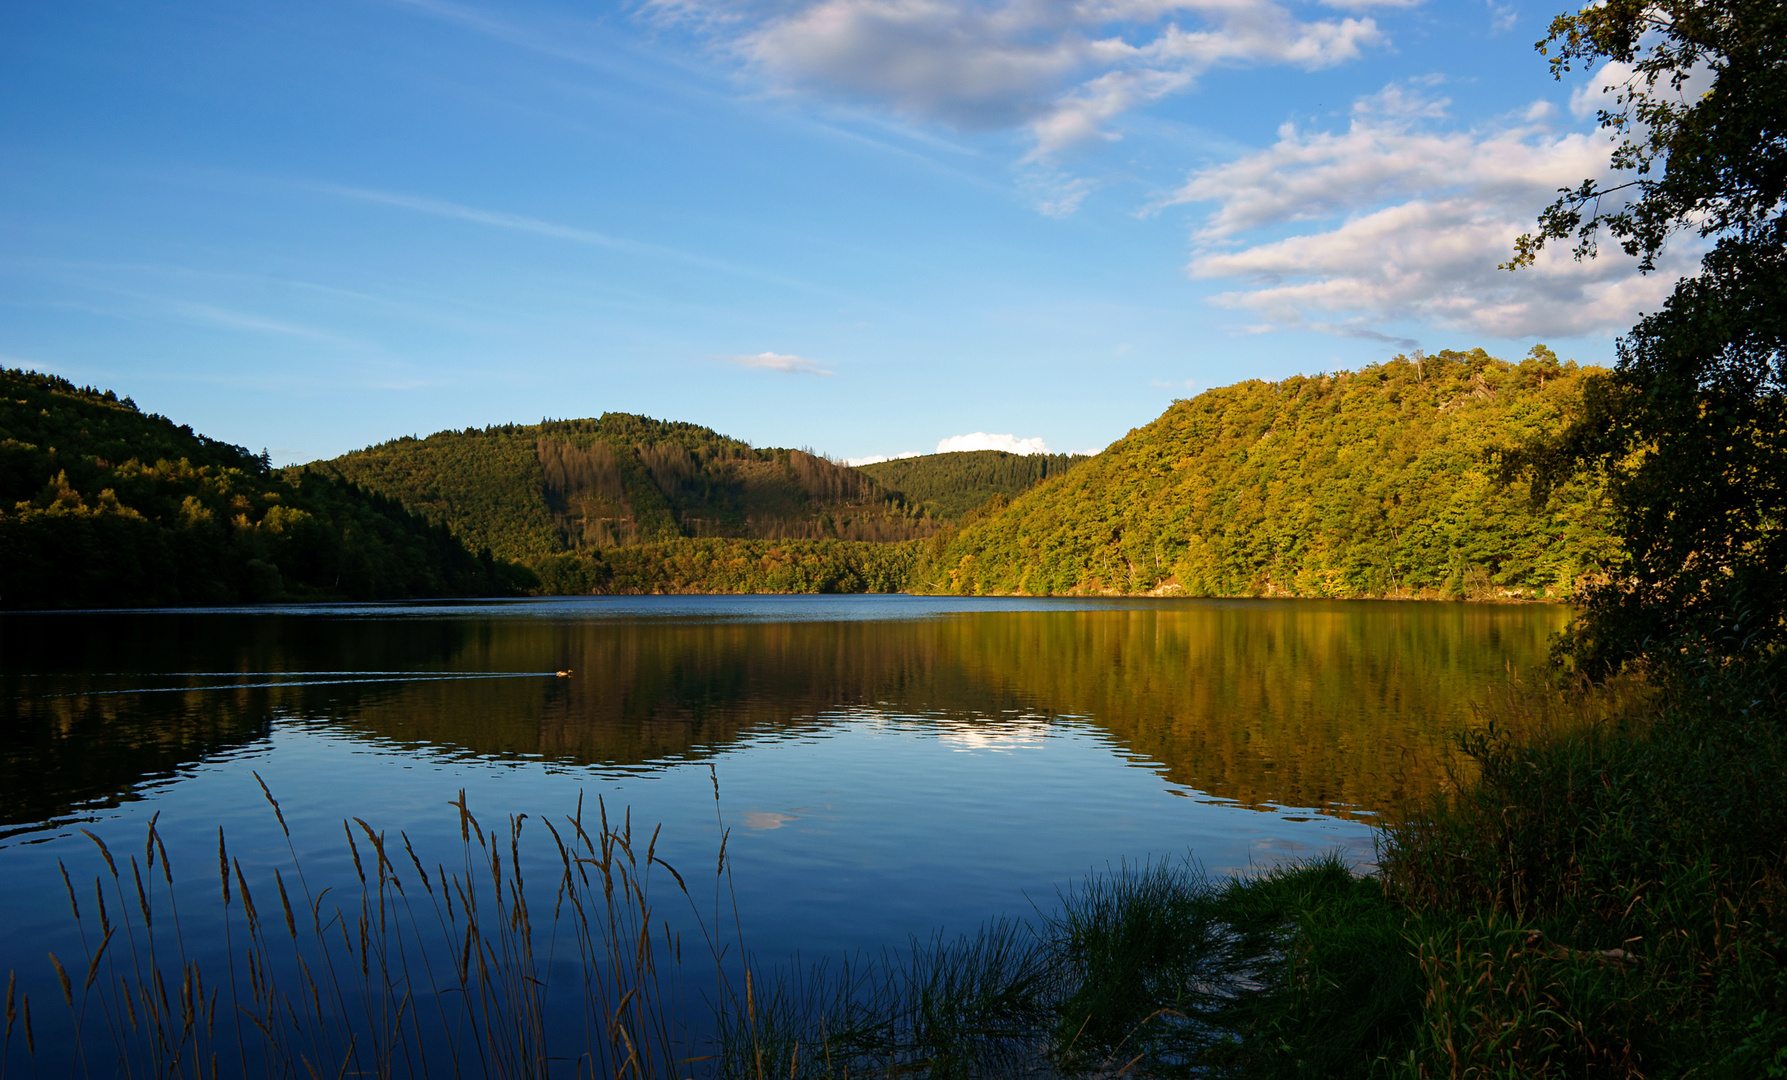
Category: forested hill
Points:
column 528, row 491
column 1368, row 483
column 102, row 505
column 951, row 486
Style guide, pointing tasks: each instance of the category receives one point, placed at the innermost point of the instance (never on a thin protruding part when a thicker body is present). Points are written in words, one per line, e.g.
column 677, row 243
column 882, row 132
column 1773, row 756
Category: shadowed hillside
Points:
column 528, row 491
column 951, row 486
column 104, row 506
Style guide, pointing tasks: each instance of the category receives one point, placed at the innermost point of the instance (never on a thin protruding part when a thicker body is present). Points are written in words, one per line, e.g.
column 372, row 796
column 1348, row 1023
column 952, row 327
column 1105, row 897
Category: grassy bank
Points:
column 1610, row 897
column 1605, row 898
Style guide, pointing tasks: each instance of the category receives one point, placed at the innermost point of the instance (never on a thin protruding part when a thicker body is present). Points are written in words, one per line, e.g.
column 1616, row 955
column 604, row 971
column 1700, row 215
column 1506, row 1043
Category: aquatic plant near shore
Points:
column 470, row 972
column 1149, row 970
column 1606, row 896
column 430, row 972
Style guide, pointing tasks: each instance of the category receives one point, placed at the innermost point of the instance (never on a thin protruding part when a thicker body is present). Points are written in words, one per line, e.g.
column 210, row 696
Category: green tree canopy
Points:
column 1690, row 429
column 104, row 506
column 953, row 485
column 537, row 490
column 1367, row 483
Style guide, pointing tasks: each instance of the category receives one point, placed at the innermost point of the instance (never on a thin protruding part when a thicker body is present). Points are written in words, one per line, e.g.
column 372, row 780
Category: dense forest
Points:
column 1370, row 483
column 529, row 491
column 1379, row 482
column 952, row 486
column 102, row 505
column 690, row 565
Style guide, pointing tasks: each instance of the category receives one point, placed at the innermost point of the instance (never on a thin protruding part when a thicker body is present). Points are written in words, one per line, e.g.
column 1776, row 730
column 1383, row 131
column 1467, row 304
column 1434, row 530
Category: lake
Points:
column 886, row 766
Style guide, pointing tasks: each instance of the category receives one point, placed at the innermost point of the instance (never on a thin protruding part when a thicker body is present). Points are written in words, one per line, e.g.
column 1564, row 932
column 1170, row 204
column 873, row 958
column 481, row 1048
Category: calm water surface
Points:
column 887, row 765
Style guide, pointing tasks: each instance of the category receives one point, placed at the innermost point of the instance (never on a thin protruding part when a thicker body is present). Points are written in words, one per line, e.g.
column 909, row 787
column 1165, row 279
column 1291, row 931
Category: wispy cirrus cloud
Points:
column 496, row 218
column 774, row 361
column 30, row 364
column 214, row 315
column 1405, row 217
column 522, row 223
column 1063, row 70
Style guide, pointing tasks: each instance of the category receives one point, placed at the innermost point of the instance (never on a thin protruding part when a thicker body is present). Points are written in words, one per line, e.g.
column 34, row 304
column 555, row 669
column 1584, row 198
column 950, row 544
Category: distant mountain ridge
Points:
column 954, row 485
column 621, row 480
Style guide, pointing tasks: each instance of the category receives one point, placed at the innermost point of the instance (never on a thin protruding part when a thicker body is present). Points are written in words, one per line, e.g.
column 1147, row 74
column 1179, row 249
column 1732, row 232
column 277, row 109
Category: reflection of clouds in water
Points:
column 994, row 735
column 764, row 820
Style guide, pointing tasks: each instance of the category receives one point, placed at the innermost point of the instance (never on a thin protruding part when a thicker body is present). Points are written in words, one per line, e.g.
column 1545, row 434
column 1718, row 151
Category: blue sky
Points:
column 861, row 226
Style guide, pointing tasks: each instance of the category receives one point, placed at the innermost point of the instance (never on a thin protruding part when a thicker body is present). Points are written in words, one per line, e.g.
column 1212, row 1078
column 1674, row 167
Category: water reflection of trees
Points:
column 63, row 753
column 1335, row 705
column 1348, row 706
column 89, row 715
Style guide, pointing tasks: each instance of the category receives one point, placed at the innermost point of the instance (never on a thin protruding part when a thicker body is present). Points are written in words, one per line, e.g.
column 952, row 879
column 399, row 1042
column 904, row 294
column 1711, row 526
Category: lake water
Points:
column 886, row 766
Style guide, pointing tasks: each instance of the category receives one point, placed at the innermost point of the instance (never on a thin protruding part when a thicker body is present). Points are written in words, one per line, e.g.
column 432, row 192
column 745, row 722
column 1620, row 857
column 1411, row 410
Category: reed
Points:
column 473, row 970
column 430, row 971
column 422, row 972
column 1605, row 895
column 977, row 1005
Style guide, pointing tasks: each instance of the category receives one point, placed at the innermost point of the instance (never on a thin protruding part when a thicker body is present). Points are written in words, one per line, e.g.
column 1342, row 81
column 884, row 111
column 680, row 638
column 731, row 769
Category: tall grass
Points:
column 1605, row 896
column 1147, row 970
column 475, row 971
column 423, row 972
column 970, row 1006
column 1610, row 897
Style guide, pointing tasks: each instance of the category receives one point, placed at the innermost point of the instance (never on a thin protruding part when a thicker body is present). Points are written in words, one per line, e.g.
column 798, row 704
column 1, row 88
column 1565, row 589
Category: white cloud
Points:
column 998, row 736
column 765, row 820
column 1062, row 69
column 1398, row 218
column 1607, row 84
column 980, row 440
column 1593, row 95
column 1054, row 194
column 212, row 315
column 773, row 361
column 496, row 218
column 876, row 459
